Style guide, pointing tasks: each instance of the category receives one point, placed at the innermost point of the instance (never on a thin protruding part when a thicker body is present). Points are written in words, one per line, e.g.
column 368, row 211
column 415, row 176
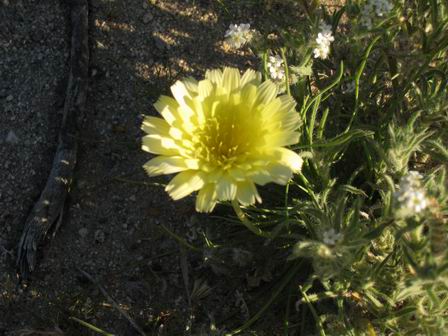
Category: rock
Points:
column 83, row 232
column 100, row 237
column 12, row 138
column 9, row 98
column 147, row 18
column 159, row 43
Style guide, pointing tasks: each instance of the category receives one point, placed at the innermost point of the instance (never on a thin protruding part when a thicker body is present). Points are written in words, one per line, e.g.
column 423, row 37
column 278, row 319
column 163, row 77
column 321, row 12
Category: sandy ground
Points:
column 112, row 226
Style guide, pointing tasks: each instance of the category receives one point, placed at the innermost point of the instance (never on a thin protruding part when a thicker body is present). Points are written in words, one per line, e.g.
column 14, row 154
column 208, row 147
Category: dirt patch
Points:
column 112, row 229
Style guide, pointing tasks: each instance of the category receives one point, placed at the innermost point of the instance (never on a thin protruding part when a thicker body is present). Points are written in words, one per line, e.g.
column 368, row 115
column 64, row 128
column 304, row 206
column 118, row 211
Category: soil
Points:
column 112, row 224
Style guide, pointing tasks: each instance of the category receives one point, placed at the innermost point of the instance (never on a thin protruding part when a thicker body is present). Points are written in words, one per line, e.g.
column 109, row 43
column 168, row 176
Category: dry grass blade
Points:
column 112, row 302
column 200, row 290
column 30, row 332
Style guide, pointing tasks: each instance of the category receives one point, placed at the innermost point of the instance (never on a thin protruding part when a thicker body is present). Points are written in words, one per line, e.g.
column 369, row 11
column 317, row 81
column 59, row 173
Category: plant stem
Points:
column 285, row 65
column 246, row 222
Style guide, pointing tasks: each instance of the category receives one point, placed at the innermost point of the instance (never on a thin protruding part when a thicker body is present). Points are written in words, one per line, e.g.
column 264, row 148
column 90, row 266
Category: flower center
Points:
column 227, row 136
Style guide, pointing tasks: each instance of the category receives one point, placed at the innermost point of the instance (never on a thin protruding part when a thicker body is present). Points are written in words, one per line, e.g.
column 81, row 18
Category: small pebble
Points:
column 100, row 237
column 83, row 232
column 12, row 138
column 147, row 18
column 9, row 98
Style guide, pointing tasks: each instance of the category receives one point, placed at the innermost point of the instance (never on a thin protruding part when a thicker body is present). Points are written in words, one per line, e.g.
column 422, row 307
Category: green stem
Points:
column 90, row 326
column 313, row 311
column 179, row 239
column 285, row 65
column 247, row 223
column 284, row 282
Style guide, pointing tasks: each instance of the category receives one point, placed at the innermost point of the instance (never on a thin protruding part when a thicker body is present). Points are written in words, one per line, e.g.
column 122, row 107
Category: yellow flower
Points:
column 223, row 135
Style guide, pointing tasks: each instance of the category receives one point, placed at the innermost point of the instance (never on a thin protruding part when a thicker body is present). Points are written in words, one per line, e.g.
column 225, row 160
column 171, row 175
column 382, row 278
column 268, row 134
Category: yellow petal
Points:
column 231, row 79
column 267, row 91
column 279, row 173
column 250, row 76
column 249, row 95
column 176, row 133
column 191, row 84
column 290, row 159
column 206, row 199
column 180, row 91
column 290, row 118
column 157, row 144
column 282, row 138
column 184, row 184
column 270, row 112
column 167, row 107
column 247, row 193
column 205, row 88
column 272, row 172
column 215, row 76
column 155, row 125
column 238, row 174
column 226, row 189
column 161, row 165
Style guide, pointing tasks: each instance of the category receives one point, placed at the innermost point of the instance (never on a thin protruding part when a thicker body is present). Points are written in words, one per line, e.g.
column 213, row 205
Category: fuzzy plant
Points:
column 349, row 114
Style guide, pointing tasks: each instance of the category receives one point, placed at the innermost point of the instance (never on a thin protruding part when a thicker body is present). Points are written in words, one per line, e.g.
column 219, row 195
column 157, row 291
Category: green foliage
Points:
column 373, row 271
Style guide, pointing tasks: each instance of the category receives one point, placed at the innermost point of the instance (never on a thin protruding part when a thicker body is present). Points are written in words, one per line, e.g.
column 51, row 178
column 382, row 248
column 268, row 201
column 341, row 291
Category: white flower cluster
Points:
column 331, row 237
column 238, row 35
column 323, row 40
column 410, row 196
column 374, row 8
column 276, row 68
column 348, row 87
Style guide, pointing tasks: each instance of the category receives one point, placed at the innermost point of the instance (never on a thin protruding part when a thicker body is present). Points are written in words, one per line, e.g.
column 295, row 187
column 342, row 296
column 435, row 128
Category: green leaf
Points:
column 304, row 70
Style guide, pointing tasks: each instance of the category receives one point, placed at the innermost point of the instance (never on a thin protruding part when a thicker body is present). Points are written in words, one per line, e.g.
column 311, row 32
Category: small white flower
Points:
column 372, row 9
column 323, row 40
column 238, row 35
column 382, row 7
column 411, row 180
column 330, row 237
column 410, row 196
column 325, row 30
column 276, row 68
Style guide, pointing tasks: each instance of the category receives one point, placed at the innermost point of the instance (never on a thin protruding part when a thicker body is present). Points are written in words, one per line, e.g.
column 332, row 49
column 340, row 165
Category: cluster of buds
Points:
column 238, row 35
column 411, row 197
column 331, row 237
column 276, row 68
column 372, row 9
column 323, row 40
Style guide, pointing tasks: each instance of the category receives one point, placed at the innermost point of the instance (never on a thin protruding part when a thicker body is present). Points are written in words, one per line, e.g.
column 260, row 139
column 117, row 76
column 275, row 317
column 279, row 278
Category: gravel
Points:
column 111, row 226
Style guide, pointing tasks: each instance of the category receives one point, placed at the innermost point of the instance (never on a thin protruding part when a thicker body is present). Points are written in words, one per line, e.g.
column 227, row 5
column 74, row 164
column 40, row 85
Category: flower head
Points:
column 323, row 40
column 276, row 68
column 331, row 237
column 373, row 9
column 410, row 196
column 223, row 135
column 238, row 35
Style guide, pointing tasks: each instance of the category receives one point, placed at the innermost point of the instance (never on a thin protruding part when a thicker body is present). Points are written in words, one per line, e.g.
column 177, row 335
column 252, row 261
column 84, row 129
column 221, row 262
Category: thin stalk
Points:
column 308, row 190
column 313, row 311
column 285, row 65
column 246, row 222
column 179, row 239
column 90, row 326
column 288, row 277
column 265, row 65
column 286, row 204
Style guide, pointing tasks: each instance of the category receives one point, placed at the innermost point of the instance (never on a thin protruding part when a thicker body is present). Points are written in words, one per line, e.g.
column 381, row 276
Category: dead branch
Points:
column 48, row 209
